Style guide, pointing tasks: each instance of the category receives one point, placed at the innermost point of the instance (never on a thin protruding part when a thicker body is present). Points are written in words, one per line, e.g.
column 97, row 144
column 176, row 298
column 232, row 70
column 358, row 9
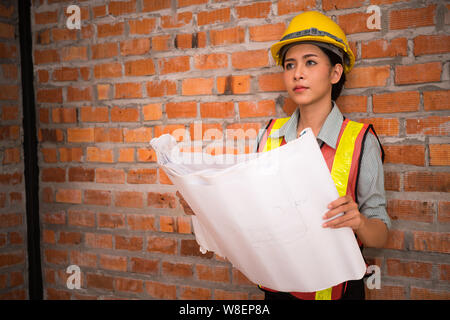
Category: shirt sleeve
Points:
column 370, row 189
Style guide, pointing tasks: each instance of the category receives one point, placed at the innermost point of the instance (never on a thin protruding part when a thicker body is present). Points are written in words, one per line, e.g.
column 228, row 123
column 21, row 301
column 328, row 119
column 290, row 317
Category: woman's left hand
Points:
column 351, row 216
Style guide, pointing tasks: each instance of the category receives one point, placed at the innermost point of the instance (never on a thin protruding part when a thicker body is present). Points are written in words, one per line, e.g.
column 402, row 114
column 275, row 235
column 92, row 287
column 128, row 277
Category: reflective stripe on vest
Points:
column 340, row 173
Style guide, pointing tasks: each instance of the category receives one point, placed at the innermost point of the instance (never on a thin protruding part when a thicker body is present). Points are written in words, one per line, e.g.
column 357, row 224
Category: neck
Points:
column 313, row 116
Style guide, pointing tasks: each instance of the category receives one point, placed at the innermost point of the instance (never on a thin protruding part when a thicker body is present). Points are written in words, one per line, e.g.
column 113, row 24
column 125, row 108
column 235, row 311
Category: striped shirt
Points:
column 370, row 185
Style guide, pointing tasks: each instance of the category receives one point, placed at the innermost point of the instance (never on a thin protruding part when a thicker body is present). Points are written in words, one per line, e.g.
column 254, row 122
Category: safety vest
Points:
column 343, row 163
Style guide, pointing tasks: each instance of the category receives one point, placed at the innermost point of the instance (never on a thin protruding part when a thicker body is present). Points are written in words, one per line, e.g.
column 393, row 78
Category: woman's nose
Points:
column 298, row 73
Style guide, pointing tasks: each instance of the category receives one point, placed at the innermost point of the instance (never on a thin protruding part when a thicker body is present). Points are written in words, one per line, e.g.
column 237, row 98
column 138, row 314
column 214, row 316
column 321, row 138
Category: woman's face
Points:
column 308, row 74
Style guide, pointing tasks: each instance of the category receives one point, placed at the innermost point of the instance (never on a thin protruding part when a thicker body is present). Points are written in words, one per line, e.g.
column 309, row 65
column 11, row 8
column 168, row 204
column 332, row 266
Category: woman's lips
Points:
column 300, row 89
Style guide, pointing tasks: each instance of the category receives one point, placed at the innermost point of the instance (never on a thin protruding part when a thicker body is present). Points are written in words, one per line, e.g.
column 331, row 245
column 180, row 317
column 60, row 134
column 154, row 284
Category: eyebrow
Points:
column 306, row 56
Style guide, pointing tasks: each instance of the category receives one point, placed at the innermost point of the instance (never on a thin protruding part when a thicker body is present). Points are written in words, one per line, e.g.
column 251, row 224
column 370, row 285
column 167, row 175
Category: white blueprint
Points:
column 263, row 212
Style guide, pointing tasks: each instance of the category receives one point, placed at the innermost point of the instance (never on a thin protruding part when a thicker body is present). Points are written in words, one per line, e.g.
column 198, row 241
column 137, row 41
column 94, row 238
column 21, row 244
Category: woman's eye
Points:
column 310, row 62
column 289, row 66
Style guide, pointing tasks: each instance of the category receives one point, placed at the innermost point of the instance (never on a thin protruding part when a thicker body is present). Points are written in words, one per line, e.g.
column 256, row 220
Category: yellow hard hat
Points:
column 313, row 26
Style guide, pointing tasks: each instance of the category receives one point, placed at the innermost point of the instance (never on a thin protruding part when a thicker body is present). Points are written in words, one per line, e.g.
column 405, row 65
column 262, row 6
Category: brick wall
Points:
column 140, row 68
column 13, row 235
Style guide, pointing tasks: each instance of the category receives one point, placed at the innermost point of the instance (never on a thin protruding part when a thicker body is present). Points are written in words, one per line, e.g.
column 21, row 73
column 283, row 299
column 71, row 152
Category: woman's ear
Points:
column 336, row 73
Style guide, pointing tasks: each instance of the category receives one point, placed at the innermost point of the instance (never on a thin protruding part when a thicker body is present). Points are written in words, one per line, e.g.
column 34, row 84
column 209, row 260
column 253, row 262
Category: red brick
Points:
column 110, row 29
column 174, row 64
column 127, row 91
column 141, row 222
column 351, row 103
column 213, row 273
column 183, row 270
column 97, row 197
column 410, row 154
column 161, row 88
column 431, row 44
column 444, row 212
column 111, row 220
column 217, row 110
column 94, row 114
column 211, row 61
column 427, row 181
column 142, row 134
column 253, row 11
column 289, row 6
column 418, row 73
column 46, row 56
column 433, row 126
column 68, row 196
column 65, row 74
column 94, row 154
column 383, row 48
column 141, row 176
column 354, row 22
column 115, row 263
column 108, row 135
column 122, row 7
column 155, row 5
column 239, row 84
column 128, row 243
column 271, row 82
column 152, row 111
column 109, row 175
column 55, row 256
column 129, row 199
column 191, row 293
column 439, row 155
column 81, row 218
column 431, row 241
column 144, row 26
column 214, row 16
column 176, row 21
column 47, row 17
column 96, row 240
column 396, row 102
column 145, row 266
column 227, row 36
column 411, row 210
column 264, row 108
column 129, row 285
column 80, row 174
column 250, row 59
column 197, row 86
column 108, row 70
column 162, row 245
column 98, row 281
column 362, row 77
column 341, row 4
column 161, row 290
column 384, row 126
column 79, row 94
column 161, row 200
column 48, row 95
column 436, row 100
column 143, row 67
column 429, row 294
column 411, row 18
column 181, row 109
column 124, row 114
column 69, row 238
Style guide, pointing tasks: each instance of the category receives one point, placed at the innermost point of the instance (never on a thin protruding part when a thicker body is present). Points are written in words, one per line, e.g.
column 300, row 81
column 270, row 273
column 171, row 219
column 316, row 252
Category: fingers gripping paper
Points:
column 263, row 212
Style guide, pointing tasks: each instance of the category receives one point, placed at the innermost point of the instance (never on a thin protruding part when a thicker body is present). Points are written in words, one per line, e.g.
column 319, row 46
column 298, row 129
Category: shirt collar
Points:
column 329, row 132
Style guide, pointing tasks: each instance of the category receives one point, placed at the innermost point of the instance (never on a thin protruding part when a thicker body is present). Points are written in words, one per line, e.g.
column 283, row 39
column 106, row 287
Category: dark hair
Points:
column 336, row 89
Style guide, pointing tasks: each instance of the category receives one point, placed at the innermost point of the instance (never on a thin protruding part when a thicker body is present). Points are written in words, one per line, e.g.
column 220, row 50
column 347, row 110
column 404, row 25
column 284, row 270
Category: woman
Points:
column 315, row 56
